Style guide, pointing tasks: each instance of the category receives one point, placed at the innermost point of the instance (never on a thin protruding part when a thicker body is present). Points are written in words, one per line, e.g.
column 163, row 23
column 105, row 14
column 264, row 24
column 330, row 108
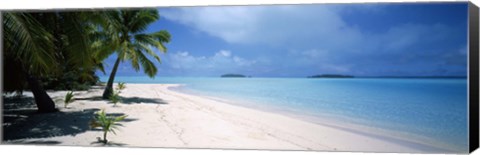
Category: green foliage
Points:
column 69, row 98
column 70, row 80
column 28, row 39
column 131, row 43
column 115, row 98
column 121, row 86
column 56, row 47
column 53, row 50
column 107, row 123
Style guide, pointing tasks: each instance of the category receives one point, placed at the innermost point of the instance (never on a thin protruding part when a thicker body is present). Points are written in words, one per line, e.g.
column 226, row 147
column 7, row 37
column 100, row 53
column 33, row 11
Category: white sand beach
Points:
column 159, row 117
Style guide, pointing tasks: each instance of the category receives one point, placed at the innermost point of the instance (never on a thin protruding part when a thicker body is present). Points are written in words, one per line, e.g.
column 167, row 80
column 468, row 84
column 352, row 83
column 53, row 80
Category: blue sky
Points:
column 302, row 40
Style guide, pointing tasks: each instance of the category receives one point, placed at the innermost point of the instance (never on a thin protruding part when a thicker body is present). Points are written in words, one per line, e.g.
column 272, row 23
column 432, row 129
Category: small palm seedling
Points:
column 115, row 98
column 121, row 86
column 107, row 123
column 68, row 99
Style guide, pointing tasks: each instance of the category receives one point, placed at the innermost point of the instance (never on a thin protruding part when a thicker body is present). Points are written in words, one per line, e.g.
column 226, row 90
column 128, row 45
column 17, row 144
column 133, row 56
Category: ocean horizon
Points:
column 431, row 111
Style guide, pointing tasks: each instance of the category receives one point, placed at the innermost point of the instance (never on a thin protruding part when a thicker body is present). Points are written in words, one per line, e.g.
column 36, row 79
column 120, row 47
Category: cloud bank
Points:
column 318, row 39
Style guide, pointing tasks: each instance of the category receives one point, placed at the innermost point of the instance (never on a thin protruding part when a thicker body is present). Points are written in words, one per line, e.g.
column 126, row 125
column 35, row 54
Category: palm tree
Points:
column 126, row 38
column 32, row 55
column 39, row 45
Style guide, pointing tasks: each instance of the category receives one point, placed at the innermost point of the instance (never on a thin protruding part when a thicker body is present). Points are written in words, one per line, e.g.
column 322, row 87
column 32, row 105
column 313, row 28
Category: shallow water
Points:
column 430, row 110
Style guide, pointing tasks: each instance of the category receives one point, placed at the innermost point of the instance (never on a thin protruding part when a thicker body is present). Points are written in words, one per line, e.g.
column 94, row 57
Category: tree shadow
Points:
column 93, row 98
column 19, row 102
column 25, row 124
column 128, row 100
column 121, row 114
column 39, row 142
column 136, row 100
column 99, row 142
column 19, row 125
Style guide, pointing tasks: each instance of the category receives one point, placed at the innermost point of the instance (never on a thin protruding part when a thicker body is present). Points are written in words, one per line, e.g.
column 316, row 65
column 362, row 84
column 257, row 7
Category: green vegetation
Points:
column 61, row 50
column 121, row 86
column 68, row 99
column 131, row 44
column 107, row 123
column 42, row 45
column 69, row 80
column 233, row 75
column 331, row 76
column 115, row 98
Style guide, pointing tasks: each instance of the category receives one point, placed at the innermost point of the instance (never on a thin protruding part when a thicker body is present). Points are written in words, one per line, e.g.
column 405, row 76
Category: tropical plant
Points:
column 121, row 86
column 115, row 98
column 68, row 99
column 42, row 44
column 124, row 29
column 107, row 123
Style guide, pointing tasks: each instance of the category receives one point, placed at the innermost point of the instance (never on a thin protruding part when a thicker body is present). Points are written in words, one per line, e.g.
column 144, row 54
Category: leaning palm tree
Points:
column 28, row 50
column 42, row 44
column 125, row 29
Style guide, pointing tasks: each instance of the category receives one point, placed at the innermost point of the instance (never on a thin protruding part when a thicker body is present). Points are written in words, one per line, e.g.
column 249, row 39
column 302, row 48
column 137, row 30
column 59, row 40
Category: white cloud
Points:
column 223, row 53
column 316, row 36
column 261, row 24
column 230, row 23
column 313, row 26
column 219, row 63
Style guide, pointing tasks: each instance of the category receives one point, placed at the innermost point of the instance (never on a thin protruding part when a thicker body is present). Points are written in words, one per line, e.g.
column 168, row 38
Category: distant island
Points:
column 417, row 77
column 386, row 77
column 233, row 75
column 331, row 76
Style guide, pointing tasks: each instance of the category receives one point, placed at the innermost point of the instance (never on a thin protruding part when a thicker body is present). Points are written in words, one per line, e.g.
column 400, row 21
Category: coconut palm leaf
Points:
column 79, row 47
column 147, row 65
column 46, row 44
column 107, row 123
column 27, row 40
column 130, row 43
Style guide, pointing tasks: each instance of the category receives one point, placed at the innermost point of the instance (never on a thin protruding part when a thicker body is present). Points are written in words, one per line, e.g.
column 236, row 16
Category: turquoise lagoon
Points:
column 428, row 111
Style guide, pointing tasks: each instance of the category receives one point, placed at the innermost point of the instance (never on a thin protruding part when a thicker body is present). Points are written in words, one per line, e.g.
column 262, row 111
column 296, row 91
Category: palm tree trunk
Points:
column 109, row 89
column 44, row 103
column 105, row 137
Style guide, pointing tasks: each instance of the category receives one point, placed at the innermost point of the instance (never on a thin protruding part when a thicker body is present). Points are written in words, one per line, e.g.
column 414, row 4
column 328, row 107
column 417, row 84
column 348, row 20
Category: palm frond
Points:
column 79, row 50
column 69, row 98
column 139, row 20
column 101, row 68
column 148, row 66
column 27, row 40
column 107, row 123
column 162, row 36
column 147, row 49
column 150, row 41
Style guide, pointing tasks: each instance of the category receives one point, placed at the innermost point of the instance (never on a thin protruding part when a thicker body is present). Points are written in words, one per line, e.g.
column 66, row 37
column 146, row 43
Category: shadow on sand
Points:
column 134, row 100
column 21, row 121
column 20, row 124
column 109, row 143
column 93, row 98
column 128, row 100
column 39, row 142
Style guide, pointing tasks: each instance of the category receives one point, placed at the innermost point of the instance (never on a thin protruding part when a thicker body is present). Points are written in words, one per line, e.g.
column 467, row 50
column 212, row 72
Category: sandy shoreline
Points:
column 160, row 117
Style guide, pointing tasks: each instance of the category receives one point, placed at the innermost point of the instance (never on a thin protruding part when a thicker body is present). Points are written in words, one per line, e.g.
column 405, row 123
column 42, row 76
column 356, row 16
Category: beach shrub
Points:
column 115, row 98
column 70, row 80
column 107, row 123
column 121, row 86
column 69, row 98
